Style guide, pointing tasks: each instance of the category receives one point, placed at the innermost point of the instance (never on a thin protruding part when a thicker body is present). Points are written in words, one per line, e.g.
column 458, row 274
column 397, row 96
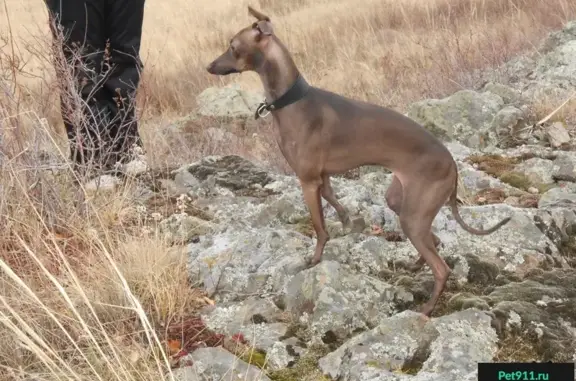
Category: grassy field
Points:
column 90, row 297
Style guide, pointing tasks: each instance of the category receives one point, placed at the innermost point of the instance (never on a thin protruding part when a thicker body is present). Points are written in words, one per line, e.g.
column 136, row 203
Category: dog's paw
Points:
column 312, row 262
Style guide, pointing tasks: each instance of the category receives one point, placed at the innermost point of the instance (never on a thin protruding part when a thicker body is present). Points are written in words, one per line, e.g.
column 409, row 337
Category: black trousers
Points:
column 101, row 50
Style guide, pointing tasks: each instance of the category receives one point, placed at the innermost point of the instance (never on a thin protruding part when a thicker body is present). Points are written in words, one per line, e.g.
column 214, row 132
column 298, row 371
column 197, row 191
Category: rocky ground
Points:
column 512, row 295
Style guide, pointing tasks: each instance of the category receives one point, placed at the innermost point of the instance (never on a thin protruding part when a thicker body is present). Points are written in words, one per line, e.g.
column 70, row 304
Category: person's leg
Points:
column 124, row 28
column 78, row 42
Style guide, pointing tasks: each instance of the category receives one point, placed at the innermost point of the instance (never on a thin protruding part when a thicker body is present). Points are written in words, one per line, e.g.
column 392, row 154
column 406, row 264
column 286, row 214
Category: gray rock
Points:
column 278, row 356
column 104, row 183
column 366, row 255
column 507, row 124
column 465, row 339
column 558, row 197
column 538, row 171
column 508, row 94
column 254, row 259
column 565, row 166
column 458, row 150
column 264, row 336
column 228, row 101
column 541, row 309
column 181, row 228
column 557, row 134
column 251, row 262
column 393, row 344
column 465, row 116
column 229, row 319
column 449, row 348
column 475, row 180
column 517, row 247
column 230, row 171
column 217, row 364
column 330, row 299
column 185, row 179
column 547, row 74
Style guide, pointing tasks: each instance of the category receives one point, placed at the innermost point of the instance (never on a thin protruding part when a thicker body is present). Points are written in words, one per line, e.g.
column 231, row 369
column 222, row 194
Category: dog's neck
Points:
column 278, row 71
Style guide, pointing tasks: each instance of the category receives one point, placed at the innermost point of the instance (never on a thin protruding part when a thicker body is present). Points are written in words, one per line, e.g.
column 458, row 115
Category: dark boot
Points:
column 125, row 18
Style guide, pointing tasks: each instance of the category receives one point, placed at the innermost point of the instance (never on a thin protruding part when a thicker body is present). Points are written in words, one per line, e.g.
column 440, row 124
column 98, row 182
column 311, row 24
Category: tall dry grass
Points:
column 87, row 286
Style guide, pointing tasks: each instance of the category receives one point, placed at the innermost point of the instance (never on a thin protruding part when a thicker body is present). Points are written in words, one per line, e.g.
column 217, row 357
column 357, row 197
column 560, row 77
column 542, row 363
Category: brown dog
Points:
column 321, row 134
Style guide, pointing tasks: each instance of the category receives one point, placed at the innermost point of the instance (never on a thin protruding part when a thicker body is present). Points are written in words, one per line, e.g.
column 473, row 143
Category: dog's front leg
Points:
column 311, row 189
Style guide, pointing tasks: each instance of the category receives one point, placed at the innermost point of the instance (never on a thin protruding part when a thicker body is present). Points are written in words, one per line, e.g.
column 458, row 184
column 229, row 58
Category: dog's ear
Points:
column 264, row 27
column 258, row 15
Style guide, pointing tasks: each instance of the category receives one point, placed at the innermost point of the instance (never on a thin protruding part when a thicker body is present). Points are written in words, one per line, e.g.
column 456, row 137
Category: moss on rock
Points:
column 305, row 369
column 502, row 168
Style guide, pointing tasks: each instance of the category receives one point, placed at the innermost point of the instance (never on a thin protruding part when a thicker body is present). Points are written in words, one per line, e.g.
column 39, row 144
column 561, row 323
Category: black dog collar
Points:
column 297, row 91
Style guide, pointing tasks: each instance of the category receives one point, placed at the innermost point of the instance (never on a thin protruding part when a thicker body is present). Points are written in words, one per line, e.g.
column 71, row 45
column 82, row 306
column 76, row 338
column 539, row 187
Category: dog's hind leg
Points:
column 421, row 203
column 394, row 197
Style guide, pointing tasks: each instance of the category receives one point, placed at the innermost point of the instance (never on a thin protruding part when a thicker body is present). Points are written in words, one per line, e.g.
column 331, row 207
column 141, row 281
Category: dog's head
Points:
column 246, row 49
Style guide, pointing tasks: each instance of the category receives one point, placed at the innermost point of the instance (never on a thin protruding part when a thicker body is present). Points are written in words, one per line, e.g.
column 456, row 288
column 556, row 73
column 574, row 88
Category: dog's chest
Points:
column 287, row 142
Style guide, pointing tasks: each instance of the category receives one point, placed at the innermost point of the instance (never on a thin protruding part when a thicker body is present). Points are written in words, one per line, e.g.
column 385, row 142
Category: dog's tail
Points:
column 453, row 203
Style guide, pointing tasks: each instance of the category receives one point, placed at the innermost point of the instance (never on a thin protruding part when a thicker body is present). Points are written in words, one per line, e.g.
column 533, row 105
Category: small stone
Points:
column 135, row 167
column 557, row 134
column 102, row 183
column 512, row 200
column 358, row 225
column 533, row 190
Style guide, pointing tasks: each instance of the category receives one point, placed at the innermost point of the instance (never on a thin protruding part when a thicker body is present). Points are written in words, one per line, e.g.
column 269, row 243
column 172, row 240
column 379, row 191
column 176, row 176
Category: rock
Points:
column 458, row 150
column 278, row 356
column 264, row 336
column 465, row 116
column 516, row 247
column 135, row 167
column 253, row 262
column 237, row 263
column 366, row 255
column 538, row 171
column 447, row 348
column 334, row 301
column 104, row 183
column 507, row 124
column 508, row 94
column 465, row 339
column 474, row 180
column 228, row 101
column 565, row 166
column 185, row 179
column 557, row 197
column 172, row 188
column 229, row 319
column 181, row 228
column 547, row 74
column 544, row 306
column 256, row 319
column 216, row 364
column 395, row 343
column 557, row 134
column 232, row 172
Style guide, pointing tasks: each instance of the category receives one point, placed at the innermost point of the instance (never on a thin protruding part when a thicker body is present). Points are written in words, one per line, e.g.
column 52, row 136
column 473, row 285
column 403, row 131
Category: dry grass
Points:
column 386, row 51
column 90, row 296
